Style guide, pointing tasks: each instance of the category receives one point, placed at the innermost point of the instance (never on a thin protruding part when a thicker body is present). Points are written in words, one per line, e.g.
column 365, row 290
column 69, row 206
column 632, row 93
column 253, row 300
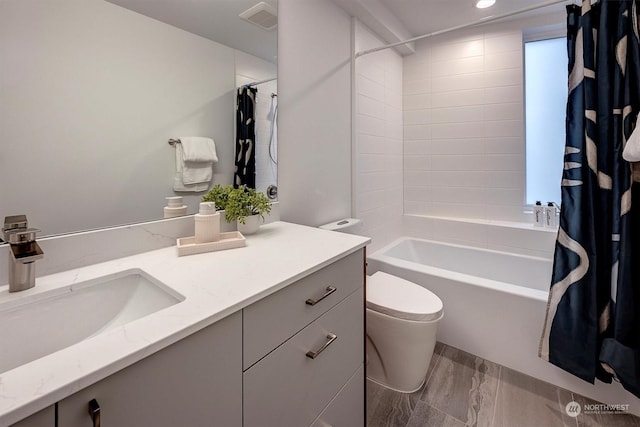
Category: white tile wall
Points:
column 379, row 136
column 464, row 126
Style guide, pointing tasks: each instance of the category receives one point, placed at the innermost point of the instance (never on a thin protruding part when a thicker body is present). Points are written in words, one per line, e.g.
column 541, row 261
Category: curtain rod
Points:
column 460, row 27
column 258, row 82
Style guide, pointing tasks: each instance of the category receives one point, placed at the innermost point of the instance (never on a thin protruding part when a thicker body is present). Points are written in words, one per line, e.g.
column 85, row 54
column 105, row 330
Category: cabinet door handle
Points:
column 330, row 290
column 94, row 412
column 330, row 338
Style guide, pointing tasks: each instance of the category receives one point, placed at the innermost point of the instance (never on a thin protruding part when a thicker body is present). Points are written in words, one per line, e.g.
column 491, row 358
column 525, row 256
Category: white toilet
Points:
column 402, row 321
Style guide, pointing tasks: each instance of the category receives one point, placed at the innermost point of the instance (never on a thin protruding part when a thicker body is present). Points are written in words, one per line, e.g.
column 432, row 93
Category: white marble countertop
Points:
column 214, row 285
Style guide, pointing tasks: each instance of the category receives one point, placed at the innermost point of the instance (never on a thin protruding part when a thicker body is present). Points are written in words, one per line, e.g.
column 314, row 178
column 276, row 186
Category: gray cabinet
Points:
column 287, row 387
column 195, row 382
column 272, row 320
column 347, row 408
column 208, row 379
column 44, row 418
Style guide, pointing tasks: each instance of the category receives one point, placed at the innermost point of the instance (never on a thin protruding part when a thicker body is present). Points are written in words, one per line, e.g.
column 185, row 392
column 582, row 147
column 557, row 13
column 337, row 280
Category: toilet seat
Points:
column 402, row 299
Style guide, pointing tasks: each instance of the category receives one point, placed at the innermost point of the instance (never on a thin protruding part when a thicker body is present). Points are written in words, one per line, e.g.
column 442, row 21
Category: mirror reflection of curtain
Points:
column 245, row 171
column 593, row 317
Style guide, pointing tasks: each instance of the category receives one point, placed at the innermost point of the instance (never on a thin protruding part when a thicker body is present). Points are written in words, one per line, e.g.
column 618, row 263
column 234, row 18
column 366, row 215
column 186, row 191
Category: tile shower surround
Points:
column 443, row 133
column 379, row 140
column 464, row 127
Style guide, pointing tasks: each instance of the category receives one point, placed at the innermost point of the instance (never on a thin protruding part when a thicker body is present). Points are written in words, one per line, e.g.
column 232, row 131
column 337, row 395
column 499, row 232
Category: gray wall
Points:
column 314, row 111
column 90, row 94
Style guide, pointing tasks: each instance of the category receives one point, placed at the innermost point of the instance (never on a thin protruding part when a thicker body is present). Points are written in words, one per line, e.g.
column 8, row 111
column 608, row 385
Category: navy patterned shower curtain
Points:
column 592, row 327
column 245, row 173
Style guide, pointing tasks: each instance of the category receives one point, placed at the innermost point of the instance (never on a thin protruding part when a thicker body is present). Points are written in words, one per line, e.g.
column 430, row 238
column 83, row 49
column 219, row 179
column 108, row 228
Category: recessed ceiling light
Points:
column 483, row 4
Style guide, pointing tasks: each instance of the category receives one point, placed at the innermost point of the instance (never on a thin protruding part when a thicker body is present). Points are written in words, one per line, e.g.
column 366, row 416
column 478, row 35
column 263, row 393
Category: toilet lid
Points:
column 401, row 298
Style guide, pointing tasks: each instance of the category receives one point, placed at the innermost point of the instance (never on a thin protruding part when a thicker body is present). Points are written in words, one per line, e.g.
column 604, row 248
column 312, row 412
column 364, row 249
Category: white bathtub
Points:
column 494, row 305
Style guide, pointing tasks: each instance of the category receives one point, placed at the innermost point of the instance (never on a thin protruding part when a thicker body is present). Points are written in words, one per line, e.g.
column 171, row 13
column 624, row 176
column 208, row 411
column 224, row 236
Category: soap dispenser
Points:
column 207, row 223
column 174, row 207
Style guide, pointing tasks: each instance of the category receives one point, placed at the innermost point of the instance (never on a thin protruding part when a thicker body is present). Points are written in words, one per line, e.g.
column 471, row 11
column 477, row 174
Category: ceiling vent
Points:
column 263, row 15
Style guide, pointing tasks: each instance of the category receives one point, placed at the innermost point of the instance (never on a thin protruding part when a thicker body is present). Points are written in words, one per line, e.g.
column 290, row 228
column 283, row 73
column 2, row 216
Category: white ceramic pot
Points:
column 251, row 225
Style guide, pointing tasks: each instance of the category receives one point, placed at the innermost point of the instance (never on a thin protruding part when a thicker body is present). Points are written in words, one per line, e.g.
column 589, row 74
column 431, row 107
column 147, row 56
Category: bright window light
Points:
column 545, row 112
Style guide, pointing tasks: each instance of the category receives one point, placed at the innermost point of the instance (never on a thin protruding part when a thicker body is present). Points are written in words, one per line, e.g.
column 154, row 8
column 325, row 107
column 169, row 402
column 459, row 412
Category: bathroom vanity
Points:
column 270, row 334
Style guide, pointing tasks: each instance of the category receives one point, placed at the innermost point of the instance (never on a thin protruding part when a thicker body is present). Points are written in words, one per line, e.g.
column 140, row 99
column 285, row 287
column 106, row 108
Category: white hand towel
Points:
column 178, row 179
column 199, row 154
column 198, row 149
column 631, row 152
column 197, row 172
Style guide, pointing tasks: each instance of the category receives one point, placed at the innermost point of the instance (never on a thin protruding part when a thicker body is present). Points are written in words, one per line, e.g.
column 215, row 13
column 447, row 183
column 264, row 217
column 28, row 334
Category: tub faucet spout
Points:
column 24, row 251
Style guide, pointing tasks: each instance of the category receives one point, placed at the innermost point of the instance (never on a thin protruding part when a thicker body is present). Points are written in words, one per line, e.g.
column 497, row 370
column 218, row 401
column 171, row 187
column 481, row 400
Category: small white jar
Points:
column 174, row 207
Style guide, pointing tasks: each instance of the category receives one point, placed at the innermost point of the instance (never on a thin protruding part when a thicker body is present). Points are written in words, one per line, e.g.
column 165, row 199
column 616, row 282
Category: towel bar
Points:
column 174, row 141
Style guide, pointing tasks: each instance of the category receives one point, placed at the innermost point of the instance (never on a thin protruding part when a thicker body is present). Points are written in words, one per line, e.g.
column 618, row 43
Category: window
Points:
column 545, row 111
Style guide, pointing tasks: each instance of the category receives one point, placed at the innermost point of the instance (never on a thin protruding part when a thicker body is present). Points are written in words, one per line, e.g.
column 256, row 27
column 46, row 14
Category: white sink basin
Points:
column 43, row 323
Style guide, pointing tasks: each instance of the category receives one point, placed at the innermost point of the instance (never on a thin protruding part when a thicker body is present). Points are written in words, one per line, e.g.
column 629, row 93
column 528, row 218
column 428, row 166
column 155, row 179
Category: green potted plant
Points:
column 219, row 195
column 244, row 205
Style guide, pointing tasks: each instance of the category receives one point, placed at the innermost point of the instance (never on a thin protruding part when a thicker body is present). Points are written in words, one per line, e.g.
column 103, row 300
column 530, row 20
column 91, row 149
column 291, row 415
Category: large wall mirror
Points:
column 91, row 91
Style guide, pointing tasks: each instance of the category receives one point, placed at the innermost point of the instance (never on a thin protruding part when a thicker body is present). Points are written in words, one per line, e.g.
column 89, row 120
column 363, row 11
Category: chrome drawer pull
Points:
column 330, row 290
column 330, row 338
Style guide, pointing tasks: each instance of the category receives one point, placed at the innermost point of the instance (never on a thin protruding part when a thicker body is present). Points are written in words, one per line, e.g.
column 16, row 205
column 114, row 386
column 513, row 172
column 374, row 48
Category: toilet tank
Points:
column 346, row 225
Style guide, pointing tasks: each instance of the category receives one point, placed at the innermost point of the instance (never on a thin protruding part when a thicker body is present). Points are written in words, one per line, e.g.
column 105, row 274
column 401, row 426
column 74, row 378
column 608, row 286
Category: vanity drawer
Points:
column 272, row 320
column 288, row 388
column 347, row 408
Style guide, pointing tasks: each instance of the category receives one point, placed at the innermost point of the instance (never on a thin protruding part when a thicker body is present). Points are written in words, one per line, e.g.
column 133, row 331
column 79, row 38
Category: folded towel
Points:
column 198, row 149
column 198, row 154
column 196, row 173
column 178, row 179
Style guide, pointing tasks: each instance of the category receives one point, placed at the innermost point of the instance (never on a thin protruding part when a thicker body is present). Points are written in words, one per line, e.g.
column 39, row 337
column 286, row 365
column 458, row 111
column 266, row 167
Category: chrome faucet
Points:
column 24, row 252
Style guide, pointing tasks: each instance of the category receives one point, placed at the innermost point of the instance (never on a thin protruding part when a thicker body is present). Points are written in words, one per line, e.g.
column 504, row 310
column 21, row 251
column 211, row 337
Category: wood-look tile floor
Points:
column 465, row 390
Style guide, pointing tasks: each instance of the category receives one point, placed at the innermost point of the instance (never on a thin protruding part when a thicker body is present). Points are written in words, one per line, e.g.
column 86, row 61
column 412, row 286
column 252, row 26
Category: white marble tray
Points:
column 188, row 245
